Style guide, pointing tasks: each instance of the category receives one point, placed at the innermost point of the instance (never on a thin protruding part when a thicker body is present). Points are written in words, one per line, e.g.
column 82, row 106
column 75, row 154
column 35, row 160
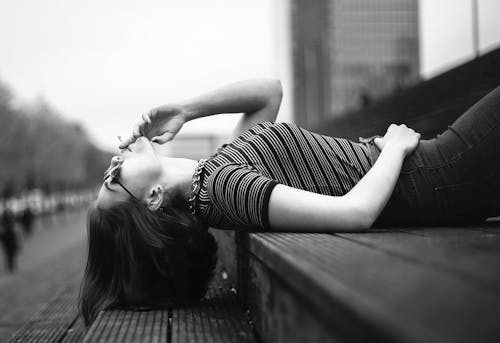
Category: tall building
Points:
column 347, row 53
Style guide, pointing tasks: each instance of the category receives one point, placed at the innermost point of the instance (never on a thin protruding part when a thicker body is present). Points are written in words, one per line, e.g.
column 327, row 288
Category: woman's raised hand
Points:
column 159, row 125
column 399, row 137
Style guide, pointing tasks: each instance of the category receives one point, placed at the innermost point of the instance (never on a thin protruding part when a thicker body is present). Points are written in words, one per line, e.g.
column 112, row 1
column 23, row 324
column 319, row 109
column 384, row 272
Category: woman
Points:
column 148, row 242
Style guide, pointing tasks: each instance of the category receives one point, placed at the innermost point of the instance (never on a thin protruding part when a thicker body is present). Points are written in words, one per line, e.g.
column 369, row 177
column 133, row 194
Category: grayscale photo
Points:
column 259, row 171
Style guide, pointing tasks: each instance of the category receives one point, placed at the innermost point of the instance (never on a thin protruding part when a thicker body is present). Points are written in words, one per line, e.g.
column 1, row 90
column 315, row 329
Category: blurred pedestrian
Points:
column 9, row 239
column 27, row 218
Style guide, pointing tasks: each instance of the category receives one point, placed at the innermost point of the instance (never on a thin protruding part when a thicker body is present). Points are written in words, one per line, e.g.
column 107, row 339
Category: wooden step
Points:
column 423, row 285
column 57, row 321
column 217, row 318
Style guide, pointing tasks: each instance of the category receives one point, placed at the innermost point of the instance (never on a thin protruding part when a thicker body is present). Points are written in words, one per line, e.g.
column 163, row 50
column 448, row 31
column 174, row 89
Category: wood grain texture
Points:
column 470, row 254
column 227, row 252
column 218, row 318
column 76, row 333
column 280, row 314
column 129, row 326
column 399, row 298
column 54, row 321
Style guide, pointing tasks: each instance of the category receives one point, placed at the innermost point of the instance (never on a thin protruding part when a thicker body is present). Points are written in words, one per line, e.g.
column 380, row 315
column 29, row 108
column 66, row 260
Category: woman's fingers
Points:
column 136, row 132
column 149, row 116
column 379, row 142
column 165, row 137
column 156, row 122
column 129, row 140
column 402, row 136
column 145, row 117
column 139, row 129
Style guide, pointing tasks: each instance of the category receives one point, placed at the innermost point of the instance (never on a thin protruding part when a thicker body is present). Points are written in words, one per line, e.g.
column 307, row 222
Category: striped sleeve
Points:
column 241, row 193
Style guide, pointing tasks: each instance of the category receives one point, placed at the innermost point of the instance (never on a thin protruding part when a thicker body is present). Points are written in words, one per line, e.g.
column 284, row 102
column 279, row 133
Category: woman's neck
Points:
column 177, row 178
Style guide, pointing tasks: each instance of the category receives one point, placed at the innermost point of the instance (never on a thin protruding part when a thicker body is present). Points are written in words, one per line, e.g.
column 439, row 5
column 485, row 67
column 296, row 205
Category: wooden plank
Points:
column 471, row 254
column 400, row 298
column 23, row 294
column 129, row 326
column 76, row 332
column 53, row 322
column 227, row 252
column 491, row 225
column 280, row 314
column 218, row 318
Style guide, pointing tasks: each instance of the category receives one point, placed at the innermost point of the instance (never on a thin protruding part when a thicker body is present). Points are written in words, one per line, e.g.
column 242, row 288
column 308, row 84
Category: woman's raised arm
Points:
column 292, row 209
column 258, row 99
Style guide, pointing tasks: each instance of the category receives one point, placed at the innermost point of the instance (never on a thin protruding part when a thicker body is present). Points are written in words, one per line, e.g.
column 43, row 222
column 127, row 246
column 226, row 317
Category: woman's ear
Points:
column 155, row 198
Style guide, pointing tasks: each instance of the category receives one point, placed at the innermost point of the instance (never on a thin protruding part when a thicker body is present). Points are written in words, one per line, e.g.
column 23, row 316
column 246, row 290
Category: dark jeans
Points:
column 453, row 178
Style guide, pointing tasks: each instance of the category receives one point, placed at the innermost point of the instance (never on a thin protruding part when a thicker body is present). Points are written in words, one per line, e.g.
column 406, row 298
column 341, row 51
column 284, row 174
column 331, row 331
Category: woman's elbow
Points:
column 362, row 220
column 275, row 94
column 277, row 87
column 366, row 222
column 275, row 91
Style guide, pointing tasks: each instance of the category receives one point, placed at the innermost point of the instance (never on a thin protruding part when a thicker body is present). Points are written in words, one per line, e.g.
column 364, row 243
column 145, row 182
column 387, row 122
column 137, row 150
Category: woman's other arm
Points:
column 292, row 209
column 258, row 99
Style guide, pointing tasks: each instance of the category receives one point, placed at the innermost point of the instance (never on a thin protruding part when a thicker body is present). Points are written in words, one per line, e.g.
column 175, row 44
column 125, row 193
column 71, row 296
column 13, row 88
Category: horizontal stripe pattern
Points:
column 238, row 179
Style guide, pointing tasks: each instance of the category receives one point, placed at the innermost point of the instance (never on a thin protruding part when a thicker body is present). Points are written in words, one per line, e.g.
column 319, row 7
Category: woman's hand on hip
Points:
column 159, row 125
column 399, row 137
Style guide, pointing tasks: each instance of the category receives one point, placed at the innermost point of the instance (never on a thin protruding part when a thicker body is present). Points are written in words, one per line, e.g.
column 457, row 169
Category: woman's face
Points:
column 139, row 168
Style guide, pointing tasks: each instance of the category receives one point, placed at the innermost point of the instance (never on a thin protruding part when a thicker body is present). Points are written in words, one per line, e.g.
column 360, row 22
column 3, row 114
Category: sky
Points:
column 104, row 63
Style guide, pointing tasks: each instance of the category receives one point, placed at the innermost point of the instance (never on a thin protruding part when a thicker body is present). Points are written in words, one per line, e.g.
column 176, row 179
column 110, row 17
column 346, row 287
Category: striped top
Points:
column 236, row 182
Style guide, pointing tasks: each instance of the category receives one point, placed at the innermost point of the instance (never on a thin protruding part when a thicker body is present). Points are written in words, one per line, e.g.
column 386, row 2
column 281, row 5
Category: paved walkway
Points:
column 52, row 256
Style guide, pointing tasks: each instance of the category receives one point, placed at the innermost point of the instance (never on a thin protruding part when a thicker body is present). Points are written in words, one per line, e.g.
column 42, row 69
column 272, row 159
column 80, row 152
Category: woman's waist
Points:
column 425, row 155
column 371, row 147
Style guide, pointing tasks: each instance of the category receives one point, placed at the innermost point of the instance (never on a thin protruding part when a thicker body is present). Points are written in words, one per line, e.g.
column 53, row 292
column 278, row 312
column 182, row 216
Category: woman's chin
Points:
column 160, row 149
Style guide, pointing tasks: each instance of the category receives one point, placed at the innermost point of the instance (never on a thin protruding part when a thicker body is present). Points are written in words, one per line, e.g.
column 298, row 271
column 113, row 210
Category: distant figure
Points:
column 27, row 218
column 9, row 239
column 364, row 98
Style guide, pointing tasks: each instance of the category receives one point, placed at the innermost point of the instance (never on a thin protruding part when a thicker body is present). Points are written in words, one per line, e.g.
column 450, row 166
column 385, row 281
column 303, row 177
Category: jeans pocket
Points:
column 402, row 207
column 460, row 203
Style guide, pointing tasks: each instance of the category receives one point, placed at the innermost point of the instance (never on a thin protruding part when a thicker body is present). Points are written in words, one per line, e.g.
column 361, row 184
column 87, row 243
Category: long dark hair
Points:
column 137, row 257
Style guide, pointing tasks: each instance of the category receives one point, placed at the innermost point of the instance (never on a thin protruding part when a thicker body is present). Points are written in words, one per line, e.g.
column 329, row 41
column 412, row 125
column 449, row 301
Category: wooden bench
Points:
column 57, row 321
column 391, row 285
column 217, row 318
column 408, row 285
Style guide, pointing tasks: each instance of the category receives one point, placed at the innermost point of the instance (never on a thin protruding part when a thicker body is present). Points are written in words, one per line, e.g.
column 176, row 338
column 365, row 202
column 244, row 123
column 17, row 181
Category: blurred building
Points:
column 347, row 53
